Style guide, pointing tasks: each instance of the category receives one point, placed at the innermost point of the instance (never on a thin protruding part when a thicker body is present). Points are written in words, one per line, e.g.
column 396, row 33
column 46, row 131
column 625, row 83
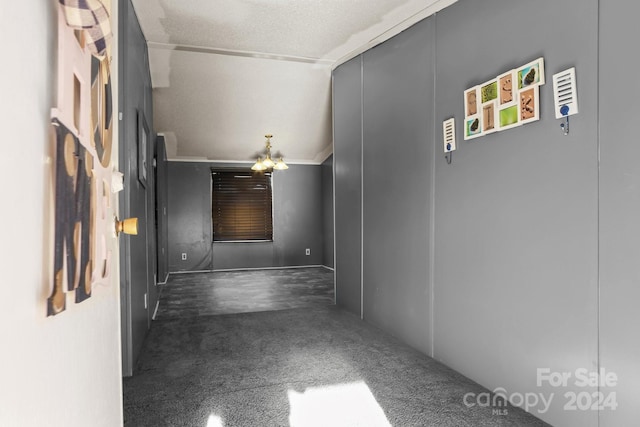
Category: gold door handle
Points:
column 127, row 226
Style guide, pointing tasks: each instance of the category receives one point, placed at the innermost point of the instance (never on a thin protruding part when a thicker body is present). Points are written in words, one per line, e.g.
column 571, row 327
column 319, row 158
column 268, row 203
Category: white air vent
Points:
column 565, row 93
column 449, row 135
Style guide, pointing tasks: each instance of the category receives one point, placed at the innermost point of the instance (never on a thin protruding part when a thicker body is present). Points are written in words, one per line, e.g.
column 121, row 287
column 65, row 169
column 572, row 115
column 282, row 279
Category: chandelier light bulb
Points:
column 268, row 162
column 259, row 165
column 281, row 165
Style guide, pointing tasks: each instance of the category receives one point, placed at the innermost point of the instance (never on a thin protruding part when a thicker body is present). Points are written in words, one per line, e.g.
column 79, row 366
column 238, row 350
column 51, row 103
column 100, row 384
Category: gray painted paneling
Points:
column 297, row 213
column 189, row 216
column 327, row 212
column 397, row 184
column 516, row 225
column 138, row 254
column 619, row 208
column 162, row 188
column 347, row 163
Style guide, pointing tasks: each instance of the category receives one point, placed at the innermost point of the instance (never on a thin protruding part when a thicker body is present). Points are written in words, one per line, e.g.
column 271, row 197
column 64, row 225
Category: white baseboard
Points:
column 165, row 280
column 286, row 267
column 267, row 268
column 156, row 310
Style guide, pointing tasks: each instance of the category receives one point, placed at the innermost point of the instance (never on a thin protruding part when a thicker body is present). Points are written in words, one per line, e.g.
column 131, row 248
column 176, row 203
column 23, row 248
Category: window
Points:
column 241, row 206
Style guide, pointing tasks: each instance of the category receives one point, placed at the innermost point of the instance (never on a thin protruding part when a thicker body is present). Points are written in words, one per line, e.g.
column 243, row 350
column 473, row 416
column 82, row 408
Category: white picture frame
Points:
column 489, row 117
column 529, row 104
column 471, row 102
column 488, row 91
column 508, row 116
column 473, row 127
column 507, row 87
column 531, row 74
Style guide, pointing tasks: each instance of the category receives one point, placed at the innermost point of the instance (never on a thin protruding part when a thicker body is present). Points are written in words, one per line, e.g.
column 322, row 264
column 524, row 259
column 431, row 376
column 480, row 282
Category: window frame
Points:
column 248, row 172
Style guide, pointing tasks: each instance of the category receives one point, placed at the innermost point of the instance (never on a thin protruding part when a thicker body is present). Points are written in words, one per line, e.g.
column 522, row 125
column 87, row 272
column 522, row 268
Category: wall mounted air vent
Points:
column 565, row 93
column 449, row 135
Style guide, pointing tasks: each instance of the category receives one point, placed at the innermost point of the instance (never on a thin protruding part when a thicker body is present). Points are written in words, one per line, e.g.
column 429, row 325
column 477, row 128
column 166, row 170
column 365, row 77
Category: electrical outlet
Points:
column 145, row 301
column 184, row 256
column 307, row 251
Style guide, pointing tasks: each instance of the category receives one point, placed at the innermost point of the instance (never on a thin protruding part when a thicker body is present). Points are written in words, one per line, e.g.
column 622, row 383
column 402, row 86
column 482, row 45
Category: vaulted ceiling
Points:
column 227, row 72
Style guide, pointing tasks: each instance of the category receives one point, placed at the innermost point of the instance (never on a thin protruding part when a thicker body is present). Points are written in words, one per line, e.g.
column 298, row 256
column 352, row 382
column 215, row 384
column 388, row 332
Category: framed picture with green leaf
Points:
column 489, row 91
column 508, row 116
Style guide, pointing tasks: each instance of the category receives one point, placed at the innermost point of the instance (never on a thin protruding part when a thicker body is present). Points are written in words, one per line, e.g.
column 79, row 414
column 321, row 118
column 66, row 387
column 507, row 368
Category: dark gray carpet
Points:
column 267, row 368
column 201, row 294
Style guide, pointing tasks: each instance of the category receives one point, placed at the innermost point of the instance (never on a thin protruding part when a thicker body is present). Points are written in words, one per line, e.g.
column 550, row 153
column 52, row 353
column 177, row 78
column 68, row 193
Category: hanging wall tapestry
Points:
column 509, row 100
column 81, row 133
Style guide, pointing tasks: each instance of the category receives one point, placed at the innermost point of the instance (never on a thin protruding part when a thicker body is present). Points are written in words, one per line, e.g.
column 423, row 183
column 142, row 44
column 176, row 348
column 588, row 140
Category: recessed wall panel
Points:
column 619, row 212
column 347, row 158
column 397, row 184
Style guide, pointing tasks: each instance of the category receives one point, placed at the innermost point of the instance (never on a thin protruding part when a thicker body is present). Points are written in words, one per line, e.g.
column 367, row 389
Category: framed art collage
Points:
column 510, row 100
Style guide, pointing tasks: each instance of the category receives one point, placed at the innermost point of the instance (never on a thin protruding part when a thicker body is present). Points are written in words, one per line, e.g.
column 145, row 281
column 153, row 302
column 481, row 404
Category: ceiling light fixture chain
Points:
column 268, row 163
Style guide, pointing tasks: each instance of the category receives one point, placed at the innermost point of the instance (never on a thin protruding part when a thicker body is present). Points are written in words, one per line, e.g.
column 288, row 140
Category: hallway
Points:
column 307, row 364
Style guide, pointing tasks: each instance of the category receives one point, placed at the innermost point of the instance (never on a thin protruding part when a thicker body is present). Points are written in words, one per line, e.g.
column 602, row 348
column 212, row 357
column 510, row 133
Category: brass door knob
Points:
column 127, row 226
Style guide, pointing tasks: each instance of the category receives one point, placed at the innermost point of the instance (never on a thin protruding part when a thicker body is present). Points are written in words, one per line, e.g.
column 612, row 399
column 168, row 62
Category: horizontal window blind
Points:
column 242, row 206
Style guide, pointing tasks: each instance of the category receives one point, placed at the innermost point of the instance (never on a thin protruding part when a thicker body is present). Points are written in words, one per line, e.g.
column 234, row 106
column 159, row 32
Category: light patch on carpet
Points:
column 215, row 421
column 350, row 404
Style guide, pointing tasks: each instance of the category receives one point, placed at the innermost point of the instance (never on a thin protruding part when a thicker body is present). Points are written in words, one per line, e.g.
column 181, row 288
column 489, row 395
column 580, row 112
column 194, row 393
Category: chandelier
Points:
column 268, row 163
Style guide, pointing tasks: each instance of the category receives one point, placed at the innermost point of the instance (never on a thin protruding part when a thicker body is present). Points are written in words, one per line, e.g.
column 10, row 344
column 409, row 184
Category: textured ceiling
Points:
column 226, row 72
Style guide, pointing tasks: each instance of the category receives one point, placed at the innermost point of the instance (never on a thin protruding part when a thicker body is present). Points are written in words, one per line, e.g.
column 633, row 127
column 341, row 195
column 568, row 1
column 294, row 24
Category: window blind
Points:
column 242, row 206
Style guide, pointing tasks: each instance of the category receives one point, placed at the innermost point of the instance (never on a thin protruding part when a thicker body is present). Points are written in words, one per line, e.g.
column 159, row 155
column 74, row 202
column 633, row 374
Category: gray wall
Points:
column 137, row 253
column 619, row 208
column 297, row 221
column 347, row 164
column 189, row 216
column 516, row 221
column 534, row 236
column 397, row 187
column 327, row 212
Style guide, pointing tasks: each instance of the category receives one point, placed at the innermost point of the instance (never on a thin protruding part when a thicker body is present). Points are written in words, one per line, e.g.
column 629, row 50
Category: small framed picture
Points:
column 489, row 117
column 531, row 74
column 471, row 102
column 143, row 139
column 472, row 127
column 508, row 116
column 529, row 105
column 489, row 91
column 506, row 87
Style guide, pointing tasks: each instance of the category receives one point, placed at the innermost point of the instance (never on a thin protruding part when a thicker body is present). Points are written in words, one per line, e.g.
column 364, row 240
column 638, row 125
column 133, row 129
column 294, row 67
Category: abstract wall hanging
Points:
column 509, row 100
column 81, row 134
